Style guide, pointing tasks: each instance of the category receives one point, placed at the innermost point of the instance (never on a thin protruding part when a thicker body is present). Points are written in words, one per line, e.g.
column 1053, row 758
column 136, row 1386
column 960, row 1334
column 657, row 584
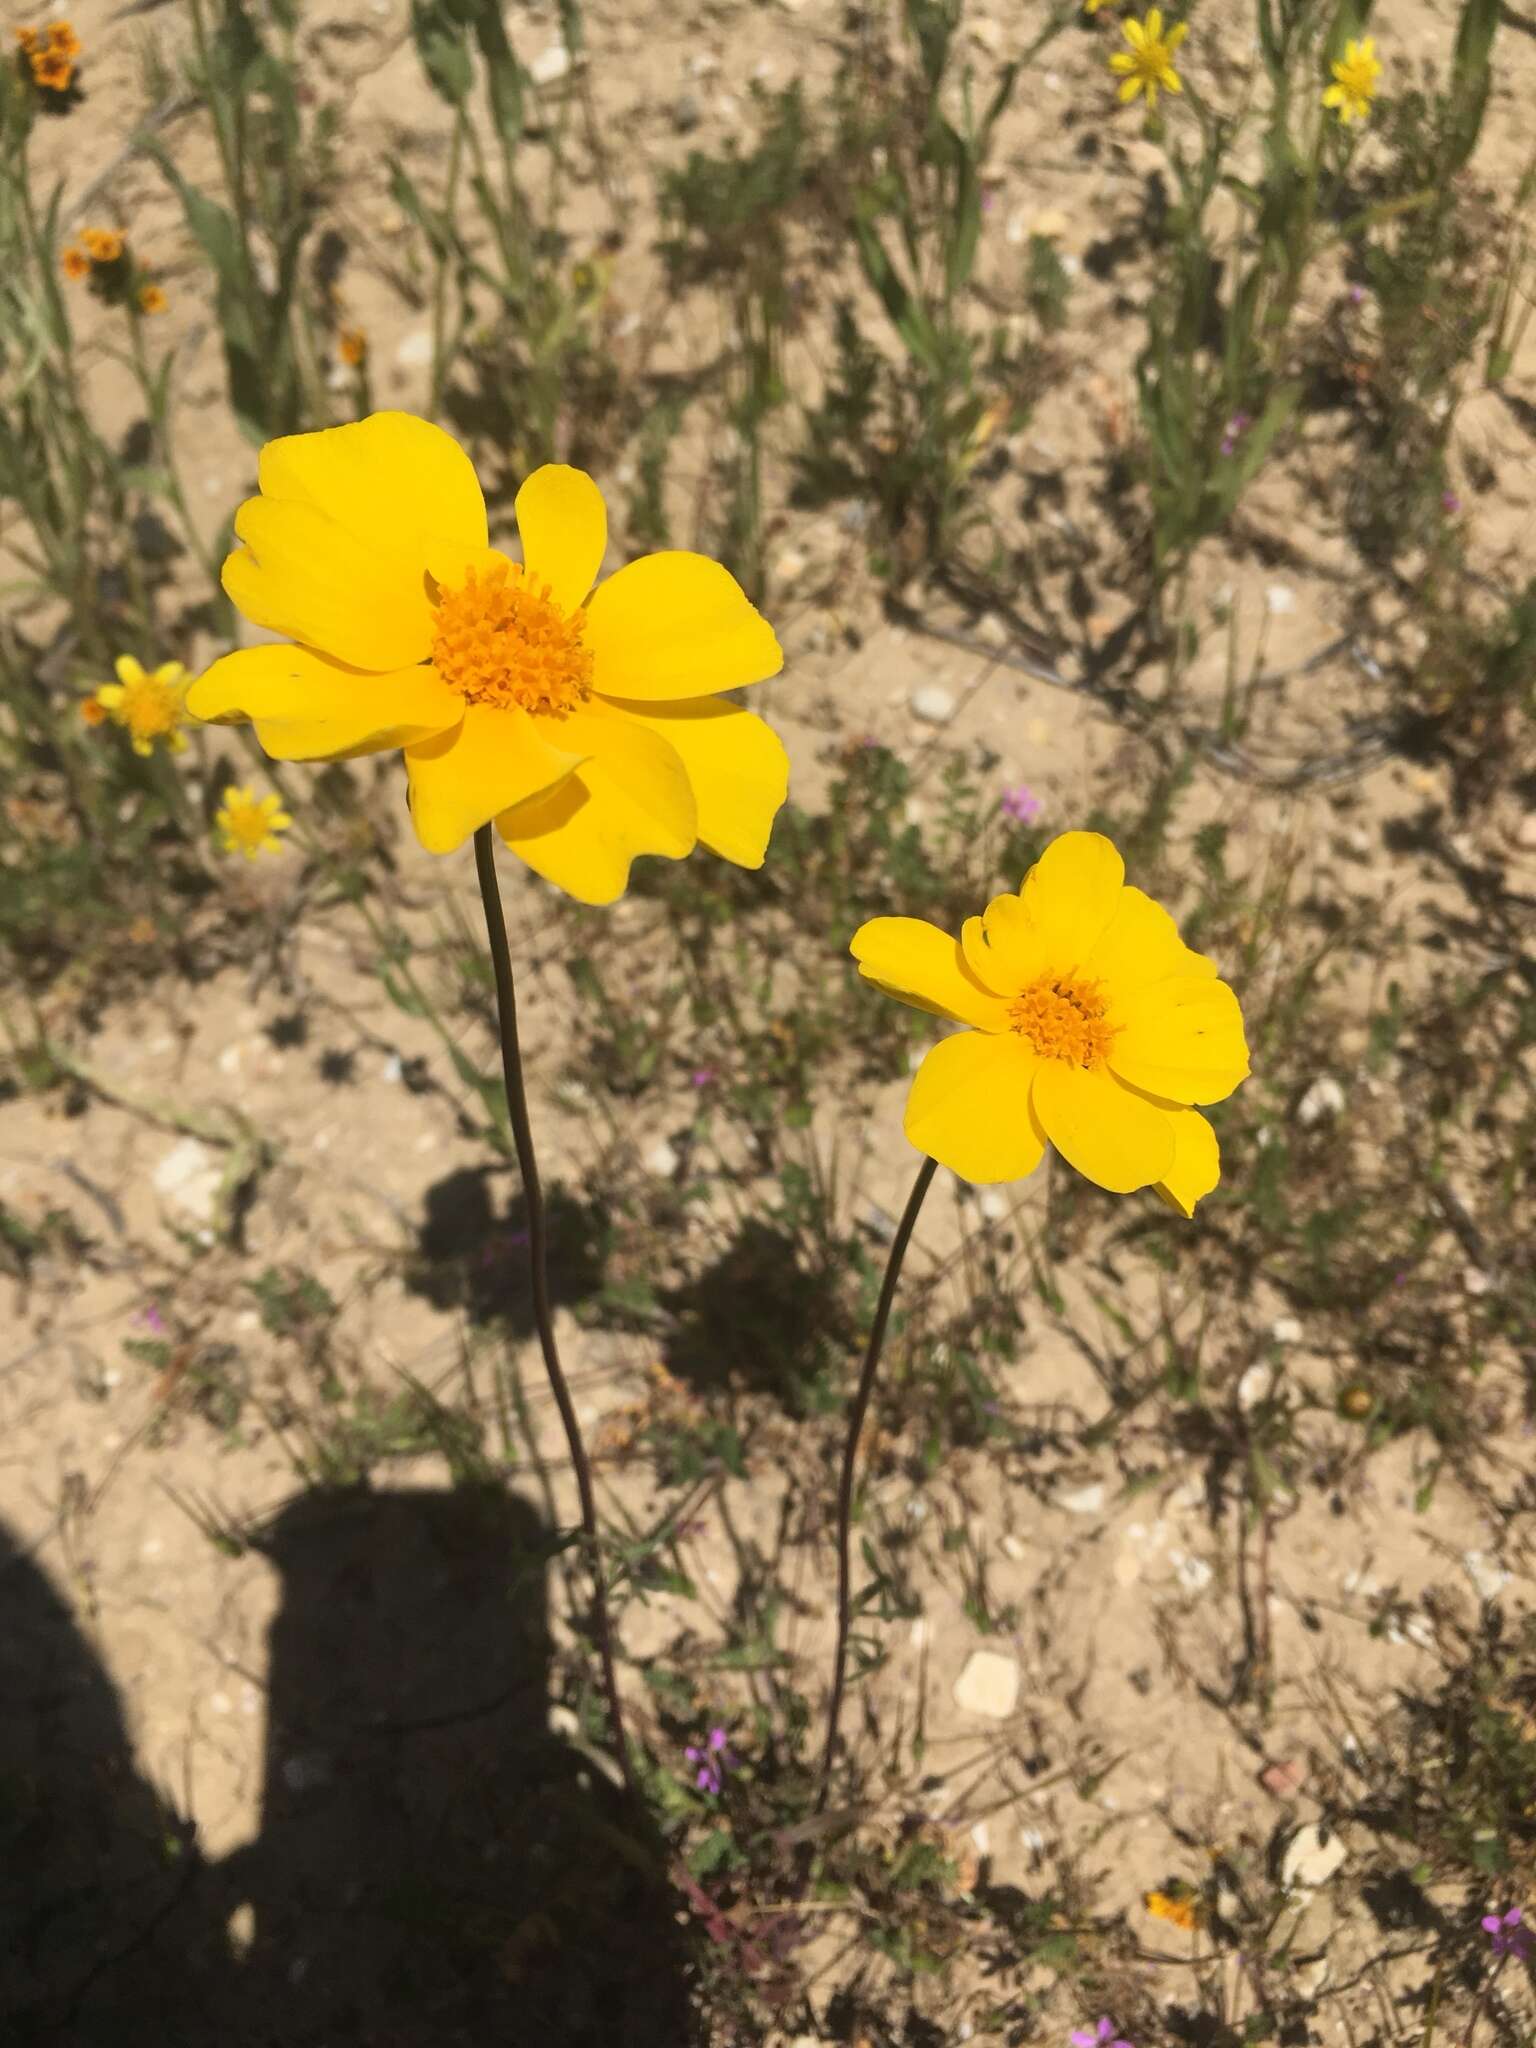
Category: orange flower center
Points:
column 1063, row 1019
column 501, row 639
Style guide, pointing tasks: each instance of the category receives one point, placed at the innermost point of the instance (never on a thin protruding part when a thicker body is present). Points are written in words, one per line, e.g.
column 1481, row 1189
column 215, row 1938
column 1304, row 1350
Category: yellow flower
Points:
column 152, row 299
column 74, row 262
column 1092, row 1027
column 1355, row 77
column 151, row 707
column 250, row 823
column 588, row 728
column 62, row 39
column 1092, row 6
column 1181, row 1907
column 1148, row 63
column 103, row 245
column 51, row 69
column 352, row 347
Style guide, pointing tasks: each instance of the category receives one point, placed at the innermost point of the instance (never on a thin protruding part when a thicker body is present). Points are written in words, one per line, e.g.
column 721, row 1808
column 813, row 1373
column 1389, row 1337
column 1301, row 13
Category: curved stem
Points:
column 538, row 1254
column 857, row 1411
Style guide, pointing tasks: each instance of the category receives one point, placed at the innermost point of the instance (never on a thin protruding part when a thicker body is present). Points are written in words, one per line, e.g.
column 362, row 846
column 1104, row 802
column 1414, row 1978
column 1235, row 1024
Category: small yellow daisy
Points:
column 249, row 823
column 1148, row 63
column 150, row 706
column 1354, row 77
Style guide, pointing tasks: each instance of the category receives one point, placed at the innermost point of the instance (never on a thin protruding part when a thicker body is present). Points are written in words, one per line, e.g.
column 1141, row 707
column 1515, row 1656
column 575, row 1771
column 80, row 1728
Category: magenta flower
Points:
column 1237, row 426
column 152, row 1320
column 701, row 1077
column 1450, row 502
column 1508, row 1936
column 1101, row 2036
column 1020, row 804
column 710, row 1763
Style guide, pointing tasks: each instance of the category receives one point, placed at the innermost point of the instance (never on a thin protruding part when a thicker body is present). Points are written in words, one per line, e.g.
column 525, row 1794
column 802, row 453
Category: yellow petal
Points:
column 676, row 625
column 564, row 525
column 1196, row 1163
column 1175, row 36
column 925, row 968
column 110, row 695
column 1170, row 80
column 1070, row 894
column 1004, row 948
column 465, row 777
column 307, row 708
column 969, row 1107
column 1131, row 87
column 1154, row 24
column 584, row 835
column 128, row 670
column 1141, row 943
column 1180, row 1038
column 1134, row 34
column 335, row 545
column 1122, row 60
column 737, row 768
column 1113, row 1136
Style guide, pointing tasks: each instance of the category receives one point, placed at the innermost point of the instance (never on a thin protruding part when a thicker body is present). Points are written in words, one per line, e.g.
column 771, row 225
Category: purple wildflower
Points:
column 1101, row 2036
column 152, row 1320
column 1020, row 804
column 712, row 1762
column 701, row 1077
column 1450, row 502
column 1508, row 1936
column 1237, row 426
column 1357, row 295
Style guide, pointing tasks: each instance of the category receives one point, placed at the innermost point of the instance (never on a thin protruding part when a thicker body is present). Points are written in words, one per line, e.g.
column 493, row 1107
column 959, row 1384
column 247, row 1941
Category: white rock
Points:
column 1280, row 598
column 392, row 1069
column 1475, row 1280
column 1286, row 1330
column 1324, row 1098
column 1256, row 1385
column 1083, row 1500
column 550, row 65
column 789, row 564
column 189, row 1177
column 988, row 1685
column 1010, row 1546
column 1489, row 1577
column 1312, row 1858
column 1193, row 1573
column 562, row 1721
column 993, row 1206
column 414, row 350
column 661, row 1159
column 933, row 704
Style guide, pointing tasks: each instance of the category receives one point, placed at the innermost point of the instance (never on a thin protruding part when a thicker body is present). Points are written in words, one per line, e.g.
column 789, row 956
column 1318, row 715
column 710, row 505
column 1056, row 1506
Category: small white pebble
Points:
column 1083, row 1500
column 1324, row 1098
column 1280, row 598
column 933, row 704
column 1475, row 1280
column 1286, row 1330
column 661, row 1159
column 550, row 65
column 993, row 1206
column 392, row 1069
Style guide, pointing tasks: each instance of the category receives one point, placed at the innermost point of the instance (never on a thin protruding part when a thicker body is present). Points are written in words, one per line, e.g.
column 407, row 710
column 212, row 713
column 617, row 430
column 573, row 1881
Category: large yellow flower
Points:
column 1092, row 1027
column 588, row 728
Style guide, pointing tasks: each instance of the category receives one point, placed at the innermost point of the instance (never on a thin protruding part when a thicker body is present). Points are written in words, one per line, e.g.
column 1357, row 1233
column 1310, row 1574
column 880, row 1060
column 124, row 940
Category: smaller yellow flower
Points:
column 62, row 39
column 1180, row 1907
column 1092, row 6
column 152, row 299
column 51, row 70
column 1355, row 77
column 352, row 347
column 74, row 262
column 103, row 245
column 249, row 823
column 26, row 39
column 150, row 706
column 1148, row 63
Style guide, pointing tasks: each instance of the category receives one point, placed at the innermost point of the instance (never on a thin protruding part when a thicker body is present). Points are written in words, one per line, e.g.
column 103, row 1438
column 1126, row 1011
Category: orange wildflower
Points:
column 74, row 262
column 52, row 70
column 1181, row 1908
column 104, row 245
column 352, row 347
column 152, row 299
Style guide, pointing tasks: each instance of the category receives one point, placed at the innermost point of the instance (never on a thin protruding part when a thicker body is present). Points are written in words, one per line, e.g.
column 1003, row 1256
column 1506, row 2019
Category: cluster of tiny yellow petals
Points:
column 51, row 54
column 1063, row 1018
column 1354, row 81
column 149, row 706
column 249, row 824
column 501, row 639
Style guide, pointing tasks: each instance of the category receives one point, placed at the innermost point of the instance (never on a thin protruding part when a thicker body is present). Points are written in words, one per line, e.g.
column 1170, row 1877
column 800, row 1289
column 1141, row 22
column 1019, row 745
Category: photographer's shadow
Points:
column 433, row 1867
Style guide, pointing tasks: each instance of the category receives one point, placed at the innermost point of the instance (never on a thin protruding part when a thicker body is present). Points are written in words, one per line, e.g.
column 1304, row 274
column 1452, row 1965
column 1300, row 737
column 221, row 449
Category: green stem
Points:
column 857, row 1411
column 538, row 1256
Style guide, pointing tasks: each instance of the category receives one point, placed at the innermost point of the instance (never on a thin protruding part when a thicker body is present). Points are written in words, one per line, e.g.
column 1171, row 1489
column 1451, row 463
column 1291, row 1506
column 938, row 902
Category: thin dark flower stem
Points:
column 857, row 1411
column 538, row 1256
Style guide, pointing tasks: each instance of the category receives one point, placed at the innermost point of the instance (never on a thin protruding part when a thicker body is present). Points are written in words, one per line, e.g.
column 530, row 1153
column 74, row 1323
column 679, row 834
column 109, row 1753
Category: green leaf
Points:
column 440, row 46
column 402, row 997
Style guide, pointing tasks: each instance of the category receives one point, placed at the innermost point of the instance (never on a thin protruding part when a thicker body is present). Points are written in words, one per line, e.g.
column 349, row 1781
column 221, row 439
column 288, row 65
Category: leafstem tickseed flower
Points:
column 1148, row 63
column 249, row 824
column 588, row 727
column 1092, row 1027
column 1354, row 80
column 149, row 705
